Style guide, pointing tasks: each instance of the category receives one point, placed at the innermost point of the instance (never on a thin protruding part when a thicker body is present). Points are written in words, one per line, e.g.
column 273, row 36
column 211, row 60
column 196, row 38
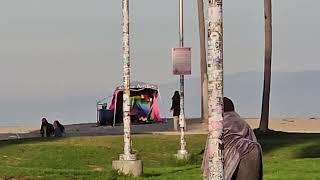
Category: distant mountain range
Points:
column 293, row 94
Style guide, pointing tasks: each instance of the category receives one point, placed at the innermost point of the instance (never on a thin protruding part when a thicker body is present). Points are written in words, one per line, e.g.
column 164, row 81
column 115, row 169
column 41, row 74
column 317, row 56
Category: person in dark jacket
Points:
column 242, row 154
column 46, row 129
column 58, row 129
column 241, row 150
column 175, row 108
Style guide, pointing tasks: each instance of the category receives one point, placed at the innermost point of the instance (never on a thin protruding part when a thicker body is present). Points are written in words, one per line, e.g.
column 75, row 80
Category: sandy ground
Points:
column 305, row 125
column 194, row 126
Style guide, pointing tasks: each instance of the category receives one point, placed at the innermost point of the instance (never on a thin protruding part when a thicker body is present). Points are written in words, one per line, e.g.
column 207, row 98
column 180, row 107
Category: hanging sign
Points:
column 181, row 59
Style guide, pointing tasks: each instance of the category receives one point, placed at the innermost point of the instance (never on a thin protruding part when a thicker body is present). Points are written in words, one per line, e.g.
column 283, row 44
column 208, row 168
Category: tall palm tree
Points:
column 264, row 121
column 213, row 166
column 203, row 63
column 126, row 84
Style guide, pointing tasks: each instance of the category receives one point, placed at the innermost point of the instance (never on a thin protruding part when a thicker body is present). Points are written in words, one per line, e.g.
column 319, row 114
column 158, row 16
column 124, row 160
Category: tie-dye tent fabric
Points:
column 144, row 103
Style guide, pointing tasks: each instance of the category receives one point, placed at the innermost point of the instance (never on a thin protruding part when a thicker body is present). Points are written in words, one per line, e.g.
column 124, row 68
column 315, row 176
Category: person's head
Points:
column 176, row 95
column 55, row 124
column 228, row 105
column 44, row 120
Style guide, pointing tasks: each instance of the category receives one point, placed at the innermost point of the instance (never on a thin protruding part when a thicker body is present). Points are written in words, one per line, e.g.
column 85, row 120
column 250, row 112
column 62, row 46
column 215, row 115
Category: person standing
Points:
column 175, row 108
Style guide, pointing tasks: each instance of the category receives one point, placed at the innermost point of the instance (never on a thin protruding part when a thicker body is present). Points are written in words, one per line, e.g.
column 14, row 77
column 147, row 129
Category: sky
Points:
column 52, row 50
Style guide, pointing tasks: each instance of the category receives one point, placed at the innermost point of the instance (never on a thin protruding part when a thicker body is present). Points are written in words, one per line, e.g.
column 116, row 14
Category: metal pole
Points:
column 181, row 117
column 213, row 156
column 126, row 84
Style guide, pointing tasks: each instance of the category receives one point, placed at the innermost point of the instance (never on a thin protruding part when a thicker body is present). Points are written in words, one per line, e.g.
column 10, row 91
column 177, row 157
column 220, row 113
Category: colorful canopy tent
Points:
column 143, row 102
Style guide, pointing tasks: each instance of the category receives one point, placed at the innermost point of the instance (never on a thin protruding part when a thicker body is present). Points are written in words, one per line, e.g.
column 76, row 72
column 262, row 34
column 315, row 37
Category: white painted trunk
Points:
column 181, row 117
column 126, row 83
column 214, row 169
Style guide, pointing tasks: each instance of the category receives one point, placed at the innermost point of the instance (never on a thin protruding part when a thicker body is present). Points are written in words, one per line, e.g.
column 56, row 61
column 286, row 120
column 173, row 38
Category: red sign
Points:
column 181, row 59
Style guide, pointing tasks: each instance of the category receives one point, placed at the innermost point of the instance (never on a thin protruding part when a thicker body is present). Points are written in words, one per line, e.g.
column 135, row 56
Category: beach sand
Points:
column 305, row 125
column 14, row 130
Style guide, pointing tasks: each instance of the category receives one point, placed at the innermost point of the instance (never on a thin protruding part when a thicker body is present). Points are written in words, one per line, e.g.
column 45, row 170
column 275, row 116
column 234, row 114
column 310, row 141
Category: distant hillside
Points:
column 292, row 94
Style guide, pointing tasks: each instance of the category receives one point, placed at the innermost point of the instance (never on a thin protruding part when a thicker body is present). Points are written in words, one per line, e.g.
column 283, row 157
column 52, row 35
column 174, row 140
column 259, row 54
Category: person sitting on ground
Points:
column 242, row 154
column 58, row 129
column 46, row 129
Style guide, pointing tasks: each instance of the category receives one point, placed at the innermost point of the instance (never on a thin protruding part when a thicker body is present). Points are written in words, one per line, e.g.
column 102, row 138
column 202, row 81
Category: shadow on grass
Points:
column 311, row 151
column 155, row 174
column 10, row 142
column 273, row 140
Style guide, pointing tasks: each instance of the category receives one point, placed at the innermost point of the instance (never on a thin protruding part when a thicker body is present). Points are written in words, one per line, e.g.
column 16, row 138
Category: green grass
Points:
column 286, row 156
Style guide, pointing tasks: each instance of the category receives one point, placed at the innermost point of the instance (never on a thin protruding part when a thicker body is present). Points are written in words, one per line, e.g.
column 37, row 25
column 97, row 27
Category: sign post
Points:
column 181, row 58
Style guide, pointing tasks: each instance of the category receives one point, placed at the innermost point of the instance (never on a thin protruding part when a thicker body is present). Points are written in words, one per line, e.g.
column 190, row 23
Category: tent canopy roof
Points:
column 140, row 85
column 133, row 85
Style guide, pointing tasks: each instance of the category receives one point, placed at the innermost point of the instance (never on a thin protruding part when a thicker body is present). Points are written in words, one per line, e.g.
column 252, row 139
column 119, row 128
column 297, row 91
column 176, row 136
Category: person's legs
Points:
column 250, row 166
column 175, row 122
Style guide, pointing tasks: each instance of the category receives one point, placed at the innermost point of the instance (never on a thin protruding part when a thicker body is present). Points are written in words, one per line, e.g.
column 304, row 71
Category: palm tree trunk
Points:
column 213, row 168
column 203, row 63
column 264, row 122
column 126, row 84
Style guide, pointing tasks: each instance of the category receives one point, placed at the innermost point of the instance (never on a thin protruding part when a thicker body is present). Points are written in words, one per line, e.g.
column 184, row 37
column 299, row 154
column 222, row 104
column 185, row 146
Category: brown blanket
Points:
column 238, row 140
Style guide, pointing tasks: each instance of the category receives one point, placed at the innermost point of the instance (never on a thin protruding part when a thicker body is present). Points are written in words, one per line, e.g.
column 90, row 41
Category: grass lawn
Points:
column 286, row 156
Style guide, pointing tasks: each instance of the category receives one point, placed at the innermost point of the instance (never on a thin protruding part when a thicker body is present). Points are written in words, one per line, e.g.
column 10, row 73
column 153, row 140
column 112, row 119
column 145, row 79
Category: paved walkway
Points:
column 90, row 129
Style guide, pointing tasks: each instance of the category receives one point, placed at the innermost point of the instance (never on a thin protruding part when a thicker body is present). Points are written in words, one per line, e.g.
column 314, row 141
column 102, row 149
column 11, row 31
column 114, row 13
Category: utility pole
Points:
column 182, row 153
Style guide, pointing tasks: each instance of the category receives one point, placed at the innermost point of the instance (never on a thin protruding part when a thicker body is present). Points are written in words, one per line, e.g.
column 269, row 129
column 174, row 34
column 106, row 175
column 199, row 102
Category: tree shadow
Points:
column 311, row 151
column 182, row 169
column 32, row 140
column 273, row 140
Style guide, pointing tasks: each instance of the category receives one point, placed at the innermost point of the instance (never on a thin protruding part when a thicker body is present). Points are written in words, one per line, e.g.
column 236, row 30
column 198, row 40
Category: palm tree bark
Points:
column 213, row 166
column 203, row 63
column 264, row 121
column 126, row 84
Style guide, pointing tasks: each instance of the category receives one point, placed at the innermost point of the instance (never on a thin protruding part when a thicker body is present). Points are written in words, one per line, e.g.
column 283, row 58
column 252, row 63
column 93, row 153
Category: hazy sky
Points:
column 53, row 49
